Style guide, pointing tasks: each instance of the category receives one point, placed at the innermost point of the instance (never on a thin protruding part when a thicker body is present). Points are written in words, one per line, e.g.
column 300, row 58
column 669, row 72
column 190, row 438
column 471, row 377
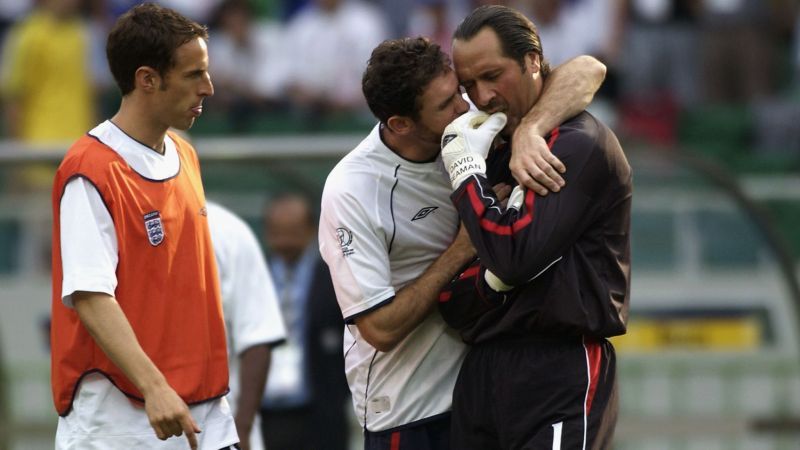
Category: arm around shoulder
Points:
column 568, row 90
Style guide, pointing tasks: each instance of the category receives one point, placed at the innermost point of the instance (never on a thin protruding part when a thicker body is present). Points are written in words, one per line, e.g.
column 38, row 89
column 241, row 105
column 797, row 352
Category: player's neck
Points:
column 140, row 126
column 410, row 148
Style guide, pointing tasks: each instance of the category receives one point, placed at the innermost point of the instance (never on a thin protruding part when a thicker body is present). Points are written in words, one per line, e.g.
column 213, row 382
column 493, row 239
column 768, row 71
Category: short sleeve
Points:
column 89, row 252
column 251, row 304
column 355, row 247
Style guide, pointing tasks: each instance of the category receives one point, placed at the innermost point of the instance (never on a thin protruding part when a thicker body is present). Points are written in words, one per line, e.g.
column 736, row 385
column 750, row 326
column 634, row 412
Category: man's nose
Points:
column 207, row 88
column 484, row 96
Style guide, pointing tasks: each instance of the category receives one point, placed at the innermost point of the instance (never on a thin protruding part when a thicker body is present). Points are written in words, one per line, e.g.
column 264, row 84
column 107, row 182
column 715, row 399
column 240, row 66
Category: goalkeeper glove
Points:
column 466, row 142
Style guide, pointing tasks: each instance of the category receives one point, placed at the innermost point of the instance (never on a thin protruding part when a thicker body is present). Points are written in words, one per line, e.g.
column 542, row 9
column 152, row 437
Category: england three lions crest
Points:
column 154, row 228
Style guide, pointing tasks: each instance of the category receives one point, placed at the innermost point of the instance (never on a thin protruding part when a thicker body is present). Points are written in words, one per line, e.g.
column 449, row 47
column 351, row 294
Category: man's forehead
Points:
column 483, row 49
column 439, row 89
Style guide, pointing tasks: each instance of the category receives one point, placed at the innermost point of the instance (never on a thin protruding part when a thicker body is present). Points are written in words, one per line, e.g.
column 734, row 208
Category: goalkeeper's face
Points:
column 178, row 100
column 493, row 81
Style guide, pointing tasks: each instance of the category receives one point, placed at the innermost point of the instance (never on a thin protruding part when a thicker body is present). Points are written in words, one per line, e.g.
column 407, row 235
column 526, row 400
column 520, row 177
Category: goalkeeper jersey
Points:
column 567, row 255
column 383, row 221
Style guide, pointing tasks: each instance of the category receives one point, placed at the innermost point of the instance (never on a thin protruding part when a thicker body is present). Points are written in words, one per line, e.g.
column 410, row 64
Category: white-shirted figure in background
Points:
column 252, row 317
column 326, row 46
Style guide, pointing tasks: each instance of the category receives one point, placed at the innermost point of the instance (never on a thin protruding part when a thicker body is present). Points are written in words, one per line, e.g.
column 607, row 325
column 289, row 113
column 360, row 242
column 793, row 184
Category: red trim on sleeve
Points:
column 519, row 224
column 444, row 296
column 474, row 199
column 470, row 272
column 494, row 227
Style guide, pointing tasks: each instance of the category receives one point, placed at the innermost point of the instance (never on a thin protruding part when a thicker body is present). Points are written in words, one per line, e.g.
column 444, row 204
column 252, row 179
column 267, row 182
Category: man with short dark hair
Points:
column 138, row 340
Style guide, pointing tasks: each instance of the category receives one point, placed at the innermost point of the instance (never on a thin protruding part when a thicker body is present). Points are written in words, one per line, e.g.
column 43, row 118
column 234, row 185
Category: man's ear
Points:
column 400, row 124
column 533, row 62
column 147, row 79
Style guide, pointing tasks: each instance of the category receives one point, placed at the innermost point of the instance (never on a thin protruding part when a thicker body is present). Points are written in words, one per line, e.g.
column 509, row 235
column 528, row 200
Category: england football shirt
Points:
column 384, row 220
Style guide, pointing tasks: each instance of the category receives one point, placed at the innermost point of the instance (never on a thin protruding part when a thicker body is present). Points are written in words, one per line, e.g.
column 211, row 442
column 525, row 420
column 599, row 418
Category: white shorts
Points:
column 103, row 418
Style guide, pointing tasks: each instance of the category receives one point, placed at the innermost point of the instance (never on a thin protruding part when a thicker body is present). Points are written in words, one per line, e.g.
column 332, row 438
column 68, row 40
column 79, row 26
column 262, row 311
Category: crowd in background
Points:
column 297, row 63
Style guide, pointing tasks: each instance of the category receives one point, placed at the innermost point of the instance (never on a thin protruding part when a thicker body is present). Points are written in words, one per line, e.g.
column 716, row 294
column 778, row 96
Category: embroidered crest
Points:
column 423, row 213
column 345, row 239
column 154, row 228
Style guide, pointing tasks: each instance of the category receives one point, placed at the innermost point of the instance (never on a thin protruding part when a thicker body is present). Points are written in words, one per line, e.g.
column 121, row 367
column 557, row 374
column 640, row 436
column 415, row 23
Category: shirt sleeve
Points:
column 355, row 248
column 247, row 286
column 89, row 252
column 519, row 243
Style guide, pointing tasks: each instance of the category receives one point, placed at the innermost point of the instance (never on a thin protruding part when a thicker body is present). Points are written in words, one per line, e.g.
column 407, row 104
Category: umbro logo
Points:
column 423, row 213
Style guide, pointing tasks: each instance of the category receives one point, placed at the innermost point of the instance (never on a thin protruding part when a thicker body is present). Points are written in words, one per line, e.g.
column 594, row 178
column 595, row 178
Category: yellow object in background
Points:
column 47, row 75
column 691, row 333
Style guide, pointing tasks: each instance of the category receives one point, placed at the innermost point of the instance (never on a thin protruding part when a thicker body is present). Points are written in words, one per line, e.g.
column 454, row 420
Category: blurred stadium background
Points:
column 704, row 94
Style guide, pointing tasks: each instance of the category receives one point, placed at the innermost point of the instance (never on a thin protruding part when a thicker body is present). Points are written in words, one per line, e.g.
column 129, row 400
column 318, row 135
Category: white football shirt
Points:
column 383, row 221
column 249, row 301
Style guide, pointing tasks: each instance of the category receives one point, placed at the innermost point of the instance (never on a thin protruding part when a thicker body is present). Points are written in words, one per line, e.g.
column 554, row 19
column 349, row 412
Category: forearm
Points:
column 568, row 90
column 385, row 327
column 167, row 413
column 110, row 329
column 253, row 368
column 518, row 243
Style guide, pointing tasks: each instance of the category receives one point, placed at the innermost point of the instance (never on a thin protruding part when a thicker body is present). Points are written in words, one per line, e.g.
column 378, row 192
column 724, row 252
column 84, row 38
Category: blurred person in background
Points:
column 737, row 45
column 661, row 72
column 288, row 8
column 435, row 20
column 46, row 76
column 661, row 53
column 12, row 11
column 569, row 28
column 137, row 329
column 197, row 10
column 243, row 53
column 390, row 236
column 326, row 46
column 252, row 317
column 304, row 405
column 553, row 276
column 46, row 81
column 579, row 27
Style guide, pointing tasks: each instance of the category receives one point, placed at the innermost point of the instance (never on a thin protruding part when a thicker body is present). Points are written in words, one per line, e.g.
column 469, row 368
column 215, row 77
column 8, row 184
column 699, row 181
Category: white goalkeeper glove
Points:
column 466, row 142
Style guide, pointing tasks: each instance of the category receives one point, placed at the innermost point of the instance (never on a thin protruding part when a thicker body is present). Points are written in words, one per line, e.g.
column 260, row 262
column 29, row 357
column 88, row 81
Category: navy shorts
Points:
column 427, row 434
column 536, row 394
